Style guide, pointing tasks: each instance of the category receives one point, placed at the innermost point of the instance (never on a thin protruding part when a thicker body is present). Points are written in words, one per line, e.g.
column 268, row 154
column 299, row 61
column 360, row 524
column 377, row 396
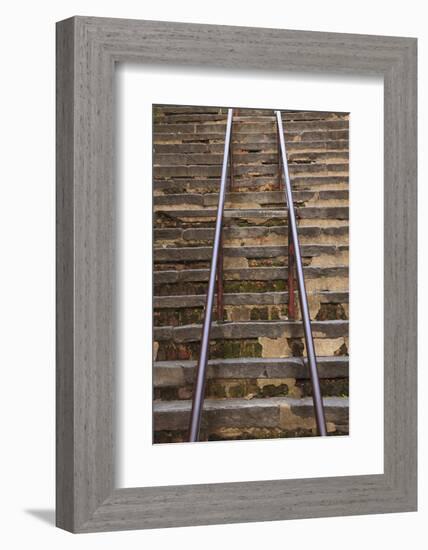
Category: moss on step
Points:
column 329, row 312
column 219, row 349
column 241, row 434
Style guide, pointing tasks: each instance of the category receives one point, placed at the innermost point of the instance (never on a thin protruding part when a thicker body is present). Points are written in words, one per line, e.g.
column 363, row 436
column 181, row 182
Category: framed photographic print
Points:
column 236, row 274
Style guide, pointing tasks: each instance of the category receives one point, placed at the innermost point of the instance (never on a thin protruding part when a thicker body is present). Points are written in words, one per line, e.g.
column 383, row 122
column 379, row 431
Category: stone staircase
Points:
column 257, row 383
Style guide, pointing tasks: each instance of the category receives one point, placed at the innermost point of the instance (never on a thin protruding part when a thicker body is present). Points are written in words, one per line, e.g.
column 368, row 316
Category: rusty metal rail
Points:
column 293, row 241
column 199, row 386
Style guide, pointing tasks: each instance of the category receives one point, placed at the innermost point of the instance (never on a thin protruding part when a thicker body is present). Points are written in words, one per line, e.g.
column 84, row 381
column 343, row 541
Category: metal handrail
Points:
column 220, row 265
column 199, row 387
column 303, row 299
column 291, row 312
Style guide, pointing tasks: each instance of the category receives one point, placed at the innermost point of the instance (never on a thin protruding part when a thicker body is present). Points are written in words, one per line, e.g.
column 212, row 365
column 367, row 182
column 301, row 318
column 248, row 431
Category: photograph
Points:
column 255, row 372
column 210, row 275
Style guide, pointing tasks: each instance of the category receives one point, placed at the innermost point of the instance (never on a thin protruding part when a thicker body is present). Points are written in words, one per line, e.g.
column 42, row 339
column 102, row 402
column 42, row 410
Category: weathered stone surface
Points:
column 250, row 137
column 194, row 253
column 275, row 347
column 195, row 113
column 312, row 212
column 330, row 298
column 252, row 329
column 247, row 125
column 271, row 412
column 236, row 434
column 249, row 274
column 293, row 147
column 195, row 158
column 251, row 235
column 172, row 373
column 172, row 351
column 247, row 183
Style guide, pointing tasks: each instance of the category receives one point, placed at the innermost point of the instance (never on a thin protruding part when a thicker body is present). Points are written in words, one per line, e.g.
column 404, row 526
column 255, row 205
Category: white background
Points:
column 360, row 453
column 27, row 286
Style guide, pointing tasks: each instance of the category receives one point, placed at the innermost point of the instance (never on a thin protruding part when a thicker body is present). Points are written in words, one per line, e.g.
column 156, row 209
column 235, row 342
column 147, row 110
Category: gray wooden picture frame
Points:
column 87, row 50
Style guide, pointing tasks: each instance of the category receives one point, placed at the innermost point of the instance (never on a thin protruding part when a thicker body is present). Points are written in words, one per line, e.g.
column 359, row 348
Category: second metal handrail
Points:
column 303, row 299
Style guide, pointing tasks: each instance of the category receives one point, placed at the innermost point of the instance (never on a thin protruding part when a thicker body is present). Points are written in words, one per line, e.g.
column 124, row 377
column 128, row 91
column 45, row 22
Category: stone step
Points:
column 248, row 183
column 167, row 111
column 269, row 306
column 314, row 212
column 260, row 280
column 251, row 137
column 269, row 117
column 254, row 198
column 247, row 158
column 249, row 418
column 251, row 235
column 248, row 274
column 293, row 147
column 252, row 378
column 251, row 329
column 197, row 253
column 319, row 311
column 180, row 373
column 245, row 126
column 245, row 216
column 242, row 298
column 213, row 171
column 250, row 339
column 168, row 350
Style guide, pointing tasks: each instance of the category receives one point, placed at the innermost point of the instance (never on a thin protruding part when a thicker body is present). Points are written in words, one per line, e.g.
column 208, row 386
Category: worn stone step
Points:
column 251, row 235
column 250, row 339
column 251, row 137
column 293, row 147
column 247, row 158
column 257, row 115
column 269, row 306
column 252, row 378
column 196, row 253
column 293, row 122
column 181, row 373
column 203, row 114
column 255, row 388
column 260, row 280
column 246, row 418
column 212, row 171
column 319, row 311
column 259, row 133
column 251, row 329
column 245, row 126
column 206, row 217
column 253, row 198
column 191, row 110
column 248, row 274
column 185, row 288
column 164, row 110
column 247, row 183
column 337, row 212
column 233, row 261
column 168, row 350
column 242, row 298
